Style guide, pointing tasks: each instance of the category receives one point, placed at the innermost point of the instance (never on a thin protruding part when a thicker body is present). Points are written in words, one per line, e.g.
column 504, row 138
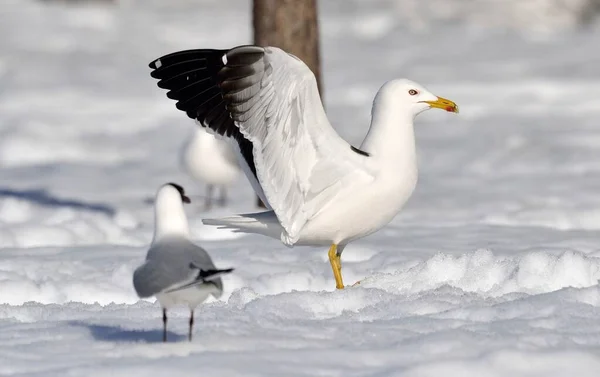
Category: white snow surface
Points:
column 497, row 277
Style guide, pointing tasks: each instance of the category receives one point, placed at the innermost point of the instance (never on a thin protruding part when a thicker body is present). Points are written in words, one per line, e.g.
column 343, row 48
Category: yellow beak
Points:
column 444, row 104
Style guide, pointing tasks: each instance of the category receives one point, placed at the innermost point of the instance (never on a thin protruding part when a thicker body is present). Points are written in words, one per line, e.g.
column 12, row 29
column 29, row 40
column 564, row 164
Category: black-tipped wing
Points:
column 268, row 101
column 173, row 264
column 192, row 79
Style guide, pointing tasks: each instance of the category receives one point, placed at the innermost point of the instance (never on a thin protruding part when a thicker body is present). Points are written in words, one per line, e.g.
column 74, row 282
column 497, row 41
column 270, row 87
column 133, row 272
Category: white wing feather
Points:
column 301, row 161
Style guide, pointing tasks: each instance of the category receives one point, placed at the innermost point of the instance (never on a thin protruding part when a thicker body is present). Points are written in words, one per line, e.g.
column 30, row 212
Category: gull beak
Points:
column 185, row 199
column 444, row 104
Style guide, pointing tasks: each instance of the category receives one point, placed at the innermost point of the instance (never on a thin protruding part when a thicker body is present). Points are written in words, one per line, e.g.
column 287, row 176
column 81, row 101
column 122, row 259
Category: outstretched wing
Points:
column 267, row 100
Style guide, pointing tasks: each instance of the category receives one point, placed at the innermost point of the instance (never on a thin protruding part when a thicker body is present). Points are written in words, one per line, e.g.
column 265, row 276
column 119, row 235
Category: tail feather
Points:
column 265, row 223
column 204, row 276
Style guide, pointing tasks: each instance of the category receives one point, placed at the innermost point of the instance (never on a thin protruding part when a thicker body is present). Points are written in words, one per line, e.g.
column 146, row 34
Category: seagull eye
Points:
column 413, row 92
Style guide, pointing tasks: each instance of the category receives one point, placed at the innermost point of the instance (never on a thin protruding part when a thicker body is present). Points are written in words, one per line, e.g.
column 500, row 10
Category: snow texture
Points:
column 497, row 277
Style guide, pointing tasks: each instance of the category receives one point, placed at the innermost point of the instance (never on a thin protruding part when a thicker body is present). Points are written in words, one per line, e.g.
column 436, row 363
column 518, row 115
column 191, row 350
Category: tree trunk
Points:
column 291, row 25
column 83, row 1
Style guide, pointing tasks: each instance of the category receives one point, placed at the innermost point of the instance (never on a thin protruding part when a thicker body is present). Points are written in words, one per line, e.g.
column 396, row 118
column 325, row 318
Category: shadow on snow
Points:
column 42, row 197
column 108, row 333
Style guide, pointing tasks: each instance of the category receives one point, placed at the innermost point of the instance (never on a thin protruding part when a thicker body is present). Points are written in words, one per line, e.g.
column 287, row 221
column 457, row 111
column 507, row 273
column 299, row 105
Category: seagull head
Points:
column 416, row 98
column 172, row 193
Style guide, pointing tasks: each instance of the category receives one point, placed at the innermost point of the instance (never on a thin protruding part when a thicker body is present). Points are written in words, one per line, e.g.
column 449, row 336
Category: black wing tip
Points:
column 155, row 64
column 181, row 106
column 155, row 74
column 214, row 271
column 182, row 55
column 172, row 94
column 361, row 152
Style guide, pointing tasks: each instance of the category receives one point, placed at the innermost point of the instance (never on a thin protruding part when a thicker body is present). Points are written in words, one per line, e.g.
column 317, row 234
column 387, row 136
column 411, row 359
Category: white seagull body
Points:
column 176, row 270
column 211, row 160
column 322, row 191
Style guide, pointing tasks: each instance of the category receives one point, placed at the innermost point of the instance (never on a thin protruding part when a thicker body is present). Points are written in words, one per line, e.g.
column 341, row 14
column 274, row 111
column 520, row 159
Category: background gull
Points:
column 176, row 271
column 322, row 191
column 212, row 161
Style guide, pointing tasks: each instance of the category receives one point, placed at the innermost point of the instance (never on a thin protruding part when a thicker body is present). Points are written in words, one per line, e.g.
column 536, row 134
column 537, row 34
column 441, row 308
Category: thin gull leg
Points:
column 191, row 325
column 164, row 325
column 336, row 266
column 208, row 201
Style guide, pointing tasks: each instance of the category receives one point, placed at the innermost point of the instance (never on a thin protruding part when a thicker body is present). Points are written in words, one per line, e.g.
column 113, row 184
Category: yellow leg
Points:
column 336, row 266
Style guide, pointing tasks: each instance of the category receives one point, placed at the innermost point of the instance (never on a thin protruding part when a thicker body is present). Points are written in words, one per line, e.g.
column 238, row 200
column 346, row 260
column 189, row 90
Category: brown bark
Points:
column 82, row 1
column 293, row 26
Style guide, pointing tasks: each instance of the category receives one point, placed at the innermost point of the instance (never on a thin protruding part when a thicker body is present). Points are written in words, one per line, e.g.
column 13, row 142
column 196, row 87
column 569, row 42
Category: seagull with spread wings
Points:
column 320, row 190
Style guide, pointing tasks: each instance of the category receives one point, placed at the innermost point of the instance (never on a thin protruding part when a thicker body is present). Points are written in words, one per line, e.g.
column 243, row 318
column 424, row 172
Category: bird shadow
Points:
column 117, row 334
column 42, row 197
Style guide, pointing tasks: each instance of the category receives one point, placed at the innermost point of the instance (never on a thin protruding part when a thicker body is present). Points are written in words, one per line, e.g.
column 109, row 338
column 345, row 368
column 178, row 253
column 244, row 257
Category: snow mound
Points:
column 456, row 287
column 488, row 275
column 59, row 276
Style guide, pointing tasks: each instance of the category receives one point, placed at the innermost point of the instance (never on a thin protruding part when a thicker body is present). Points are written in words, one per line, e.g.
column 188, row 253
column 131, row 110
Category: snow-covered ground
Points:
column 491, row 270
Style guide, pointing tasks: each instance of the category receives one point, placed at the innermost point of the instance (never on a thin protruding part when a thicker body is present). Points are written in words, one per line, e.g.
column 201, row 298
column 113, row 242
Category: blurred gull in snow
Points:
column 176, row 271
column 322, row 191
column 211, row 160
